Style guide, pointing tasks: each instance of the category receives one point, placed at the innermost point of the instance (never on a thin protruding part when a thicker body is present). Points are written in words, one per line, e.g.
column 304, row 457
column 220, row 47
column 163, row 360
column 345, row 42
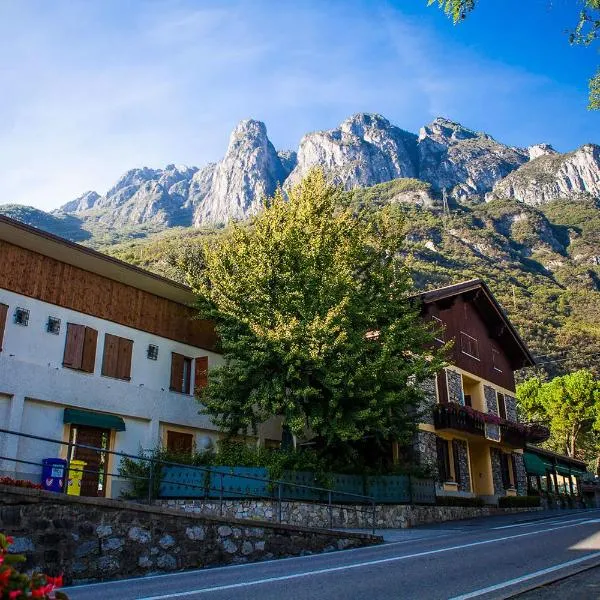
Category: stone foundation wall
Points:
column 90, row 539
column 521, row 474
column 497, row 472
column 491, row 399
column 455, row 388
column 464, row 478
column 387, row 516
column 425, row 451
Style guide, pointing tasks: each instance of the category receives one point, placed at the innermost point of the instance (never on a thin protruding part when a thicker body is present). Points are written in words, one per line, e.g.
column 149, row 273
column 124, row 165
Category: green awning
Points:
column 577, row 472
column 535, row 465
column 93, row 419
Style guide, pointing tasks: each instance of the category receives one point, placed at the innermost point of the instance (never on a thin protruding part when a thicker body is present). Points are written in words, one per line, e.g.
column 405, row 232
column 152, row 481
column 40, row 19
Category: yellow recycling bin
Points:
column 75, row 475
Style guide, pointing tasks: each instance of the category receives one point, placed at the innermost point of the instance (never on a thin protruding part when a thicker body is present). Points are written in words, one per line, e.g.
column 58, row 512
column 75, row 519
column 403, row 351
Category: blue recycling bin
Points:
column 53, row 474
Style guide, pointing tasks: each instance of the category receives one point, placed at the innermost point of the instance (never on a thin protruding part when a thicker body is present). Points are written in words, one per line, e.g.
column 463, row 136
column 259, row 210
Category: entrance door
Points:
column 481, row 469
column 93, row 482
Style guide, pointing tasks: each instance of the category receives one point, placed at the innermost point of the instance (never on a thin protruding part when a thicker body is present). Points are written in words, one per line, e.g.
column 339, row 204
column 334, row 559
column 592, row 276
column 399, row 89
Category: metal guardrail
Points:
column 156, row 464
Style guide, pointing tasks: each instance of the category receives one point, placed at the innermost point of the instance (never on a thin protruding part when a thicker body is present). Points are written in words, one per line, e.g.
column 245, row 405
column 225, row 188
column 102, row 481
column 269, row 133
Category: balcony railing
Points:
column 469, row 420
column 462, row 418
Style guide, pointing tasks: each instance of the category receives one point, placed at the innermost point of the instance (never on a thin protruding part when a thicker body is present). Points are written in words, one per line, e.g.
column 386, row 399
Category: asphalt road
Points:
column 483, row 558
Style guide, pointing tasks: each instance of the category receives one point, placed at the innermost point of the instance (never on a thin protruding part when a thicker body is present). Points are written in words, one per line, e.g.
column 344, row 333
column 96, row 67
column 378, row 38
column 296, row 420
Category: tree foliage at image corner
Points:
column 310, row 301
column 585, row 33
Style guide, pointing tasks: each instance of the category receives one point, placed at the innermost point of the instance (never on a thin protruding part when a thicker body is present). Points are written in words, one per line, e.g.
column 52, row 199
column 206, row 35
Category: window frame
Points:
column 465, row 337
column 121, row 369
column 85, row 358
column 495, row 353
column 501, row 402
column 443, row 462
column 440, row 327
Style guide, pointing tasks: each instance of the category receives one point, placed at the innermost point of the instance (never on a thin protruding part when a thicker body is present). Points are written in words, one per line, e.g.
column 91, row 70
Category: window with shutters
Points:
column 181, row 373
column 456, row 456
column 443, row 459
column 501, row 405
column 496, row 362
column 3, row 313
column 116, row 360
column 469, row 345
column 80, row 348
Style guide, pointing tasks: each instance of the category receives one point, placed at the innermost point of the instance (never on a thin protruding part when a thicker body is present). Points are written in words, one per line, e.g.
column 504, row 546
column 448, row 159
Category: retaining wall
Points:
column 342, row 516
column 91, row 539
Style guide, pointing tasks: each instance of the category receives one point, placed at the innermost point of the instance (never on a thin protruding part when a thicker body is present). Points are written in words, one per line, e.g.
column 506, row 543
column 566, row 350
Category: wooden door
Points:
column 93, row 482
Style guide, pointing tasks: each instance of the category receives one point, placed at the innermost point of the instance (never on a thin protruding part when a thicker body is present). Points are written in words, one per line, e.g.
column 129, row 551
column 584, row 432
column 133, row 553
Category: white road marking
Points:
column 505, row 584
column 380, row 561
column 532, row 523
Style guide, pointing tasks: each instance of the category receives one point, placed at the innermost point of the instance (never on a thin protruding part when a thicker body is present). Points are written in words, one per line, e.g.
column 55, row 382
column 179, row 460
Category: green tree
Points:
column 310, row 303
column 570, row 405
column 586, row 32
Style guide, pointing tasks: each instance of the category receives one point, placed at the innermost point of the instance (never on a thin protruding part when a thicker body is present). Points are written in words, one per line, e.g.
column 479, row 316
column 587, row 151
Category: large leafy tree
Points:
column 585, row 32
column 310, row 301
column 570, row 405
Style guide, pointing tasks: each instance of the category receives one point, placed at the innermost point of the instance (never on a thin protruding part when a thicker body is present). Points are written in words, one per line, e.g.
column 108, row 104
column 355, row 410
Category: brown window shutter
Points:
column 442, row 387
column 501, row 406
column 3, row 313
column 110, row 358
column 177, row 361
column 74, row 346
column 124, row 361
column 201, row 372
column 89, row 350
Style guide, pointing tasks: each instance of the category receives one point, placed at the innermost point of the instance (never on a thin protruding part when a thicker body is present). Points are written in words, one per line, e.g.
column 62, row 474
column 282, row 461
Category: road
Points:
column 482, row 558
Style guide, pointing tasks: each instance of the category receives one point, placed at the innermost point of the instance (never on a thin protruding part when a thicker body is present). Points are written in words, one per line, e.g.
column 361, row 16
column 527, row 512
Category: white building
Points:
column 99, row 352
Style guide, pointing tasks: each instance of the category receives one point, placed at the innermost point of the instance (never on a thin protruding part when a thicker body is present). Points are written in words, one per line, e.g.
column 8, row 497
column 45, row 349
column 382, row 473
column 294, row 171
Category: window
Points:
column 116, row 361
column 181, row 371
column 501, row 405
column 443, row 459
column 22, row 317
column 152, row 352
column 53, row 325
column 496, row 360
column 439, row 329
column 468, row 400
column 3, row 313
column 201, row 372
column 505, row 469
column 469, row 345
column 80, row 348
column 181, row 443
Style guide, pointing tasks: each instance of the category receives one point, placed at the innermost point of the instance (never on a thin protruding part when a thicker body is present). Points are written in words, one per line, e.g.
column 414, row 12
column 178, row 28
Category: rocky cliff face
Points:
column 249, row 173
column 465, row 163
column 364, row 150
column 554, row 176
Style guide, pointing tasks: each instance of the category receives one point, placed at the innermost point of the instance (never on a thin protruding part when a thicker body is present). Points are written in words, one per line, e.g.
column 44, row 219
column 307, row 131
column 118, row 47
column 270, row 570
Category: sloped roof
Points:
column 477, row 292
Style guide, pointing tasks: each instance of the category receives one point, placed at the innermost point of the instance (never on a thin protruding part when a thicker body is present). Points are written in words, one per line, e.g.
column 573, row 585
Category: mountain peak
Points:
column 447, row 132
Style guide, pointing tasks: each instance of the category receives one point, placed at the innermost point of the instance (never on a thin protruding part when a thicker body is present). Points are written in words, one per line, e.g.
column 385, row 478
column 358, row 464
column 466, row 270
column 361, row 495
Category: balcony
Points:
column 469, row 420
column 462, row 418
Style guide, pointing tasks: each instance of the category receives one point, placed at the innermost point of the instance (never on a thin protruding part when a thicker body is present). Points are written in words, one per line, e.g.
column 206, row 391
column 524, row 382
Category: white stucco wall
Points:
column 35, row 387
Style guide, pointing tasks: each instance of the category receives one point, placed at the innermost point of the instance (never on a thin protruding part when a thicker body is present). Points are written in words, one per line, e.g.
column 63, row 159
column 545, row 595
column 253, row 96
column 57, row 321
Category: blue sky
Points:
column 93, row 88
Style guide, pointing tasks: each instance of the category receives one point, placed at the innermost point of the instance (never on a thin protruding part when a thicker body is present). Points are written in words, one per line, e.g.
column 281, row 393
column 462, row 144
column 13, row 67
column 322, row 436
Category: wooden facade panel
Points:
column 31, row 274
column 459, row 315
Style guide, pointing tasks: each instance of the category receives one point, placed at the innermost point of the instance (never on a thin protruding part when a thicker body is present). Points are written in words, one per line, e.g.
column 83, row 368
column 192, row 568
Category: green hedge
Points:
column 519, row 502
column 459, row 501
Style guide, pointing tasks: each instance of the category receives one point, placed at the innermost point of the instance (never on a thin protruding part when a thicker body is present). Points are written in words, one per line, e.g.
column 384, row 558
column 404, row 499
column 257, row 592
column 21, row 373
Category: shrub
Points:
column 459, row 501
column 18, row 586
column 519, row 501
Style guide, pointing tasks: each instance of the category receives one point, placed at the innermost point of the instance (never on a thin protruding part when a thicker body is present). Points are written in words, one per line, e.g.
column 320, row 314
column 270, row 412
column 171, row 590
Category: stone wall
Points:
column 455, row 389
column 491, row 400
column 429, row 400
column 91, row 539
column 511, row 408
column 464, row 479
column 497, row 472
column 425, row 451
column 521, row 474
column 386, row 515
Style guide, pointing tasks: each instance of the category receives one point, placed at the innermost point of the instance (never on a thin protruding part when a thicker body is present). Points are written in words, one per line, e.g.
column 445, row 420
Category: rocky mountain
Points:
column 248, row 174
column 552, row 176
column 365, row 150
